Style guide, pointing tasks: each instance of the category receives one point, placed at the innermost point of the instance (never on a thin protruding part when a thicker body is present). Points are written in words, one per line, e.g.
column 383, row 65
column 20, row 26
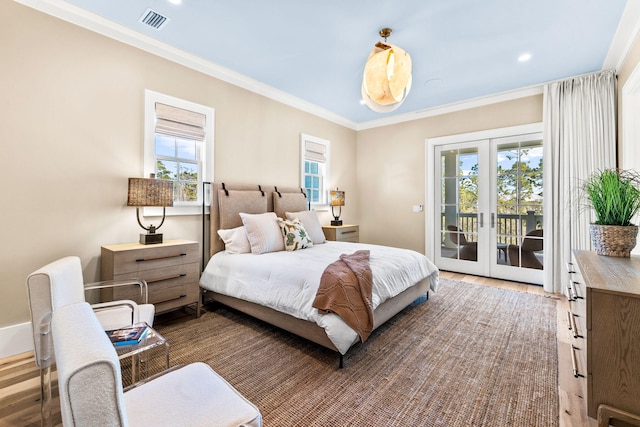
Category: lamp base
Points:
column 150, row 239
column 337, row 222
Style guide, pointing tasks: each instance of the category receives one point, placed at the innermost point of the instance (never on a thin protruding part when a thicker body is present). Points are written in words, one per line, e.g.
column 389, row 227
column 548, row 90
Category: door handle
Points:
column 481, row 222
column 493, row 220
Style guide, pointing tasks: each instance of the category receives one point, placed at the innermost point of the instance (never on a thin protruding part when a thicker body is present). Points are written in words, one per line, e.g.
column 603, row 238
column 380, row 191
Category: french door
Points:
column 488, row 205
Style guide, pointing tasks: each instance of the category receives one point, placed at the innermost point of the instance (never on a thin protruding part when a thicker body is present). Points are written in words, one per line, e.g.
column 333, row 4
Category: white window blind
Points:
column 314, row 168
column 315, row 152
column 179, row 122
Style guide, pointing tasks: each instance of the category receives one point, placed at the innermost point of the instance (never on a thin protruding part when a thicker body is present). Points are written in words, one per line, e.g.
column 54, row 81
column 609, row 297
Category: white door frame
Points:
column 431, row 180
column 629, row 155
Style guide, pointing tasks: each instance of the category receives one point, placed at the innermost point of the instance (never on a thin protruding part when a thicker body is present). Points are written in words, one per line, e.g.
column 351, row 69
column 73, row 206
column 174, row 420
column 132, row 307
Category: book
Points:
column 127, row 336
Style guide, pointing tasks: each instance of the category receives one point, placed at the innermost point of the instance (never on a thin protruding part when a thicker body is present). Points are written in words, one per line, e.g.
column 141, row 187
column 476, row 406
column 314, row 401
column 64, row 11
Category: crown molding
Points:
column 90, row 21
column 625, row 36
column 453, row 107
column 80, row 17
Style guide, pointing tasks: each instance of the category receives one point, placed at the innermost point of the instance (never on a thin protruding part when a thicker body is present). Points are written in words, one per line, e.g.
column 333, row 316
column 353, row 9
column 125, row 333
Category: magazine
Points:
column 128, row 336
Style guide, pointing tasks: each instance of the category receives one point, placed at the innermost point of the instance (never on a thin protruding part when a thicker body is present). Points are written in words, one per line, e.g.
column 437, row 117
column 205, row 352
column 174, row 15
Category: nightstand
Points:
column 342, row 233
column 171, row 270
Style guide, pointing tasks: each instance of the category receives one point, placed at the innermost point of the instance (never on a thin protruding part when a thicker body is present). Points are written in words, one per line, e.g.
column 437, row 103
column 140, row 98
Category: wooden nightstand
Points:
column 342, row 233
column 171, row 270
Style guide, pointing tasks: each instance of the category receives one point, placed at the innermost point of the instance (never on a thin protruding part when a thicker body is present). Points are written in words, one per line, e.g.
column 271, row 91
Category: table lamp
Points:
column 150, row 192
column 336, row 198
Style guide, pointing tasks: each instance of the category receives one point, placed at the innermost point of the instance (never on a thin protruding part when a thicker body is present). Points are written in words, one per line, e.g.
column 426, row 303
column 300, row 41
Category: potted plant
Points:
column 614, row 195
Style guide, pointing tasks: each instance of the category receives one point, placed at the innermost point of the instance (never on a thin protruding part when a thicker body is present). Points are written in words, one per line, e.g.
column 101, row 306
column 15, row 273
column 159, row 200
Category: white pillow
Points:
column 295, row 236
column 311, row 223
column 235, row 240
column 263, row 232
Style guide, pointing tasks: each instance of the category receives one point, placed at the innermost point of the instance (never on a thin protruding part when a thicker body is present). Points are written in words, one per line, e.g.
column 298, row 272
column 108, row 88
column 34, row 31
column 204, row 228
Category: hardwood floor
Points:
column 20, row 392
column 20, row 379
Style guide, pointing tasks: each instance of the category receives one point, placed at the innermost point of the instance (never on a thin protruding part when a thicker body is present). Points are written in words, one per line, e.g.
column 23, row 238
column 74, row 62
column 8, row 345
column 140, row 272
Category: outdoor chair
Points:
column 524, row 256
column 466, row 250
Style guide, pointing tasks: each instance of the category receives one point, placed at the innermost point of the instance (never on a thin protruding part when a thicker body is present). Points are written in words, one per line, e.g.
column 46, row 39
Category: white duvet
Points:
column 288, row 281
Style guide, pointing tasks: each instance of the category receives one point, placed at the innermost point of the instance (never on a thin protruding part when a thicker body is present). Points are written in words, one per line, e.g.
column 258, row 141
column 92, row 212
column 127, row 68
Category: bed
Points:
column 278, row 286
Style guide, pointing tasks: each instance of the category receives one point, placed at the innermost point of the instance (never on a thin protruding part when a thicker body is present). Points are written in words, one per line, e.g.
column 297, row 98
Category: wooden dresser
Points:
column 604, row 318
column 171, row 269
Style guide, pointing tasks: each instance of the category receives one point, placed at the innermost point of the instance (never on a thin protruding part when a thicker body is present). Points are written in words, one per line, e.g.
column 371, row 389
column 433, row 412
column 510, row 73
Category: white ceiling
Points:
column 315, row 50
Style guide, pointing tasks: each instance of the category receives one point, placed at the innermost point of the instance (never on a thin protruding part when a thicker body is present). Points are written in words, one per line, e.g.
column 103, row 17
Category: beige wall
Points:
column 632, row 61
column 628, row 129
column 391, row 167
column 71, row 134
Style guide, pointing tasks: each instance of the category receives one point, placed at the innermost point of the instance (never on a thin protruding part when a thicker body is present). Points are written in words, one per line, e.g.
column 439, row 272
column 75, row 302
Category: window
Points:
column 179, row 147
column 314, row 167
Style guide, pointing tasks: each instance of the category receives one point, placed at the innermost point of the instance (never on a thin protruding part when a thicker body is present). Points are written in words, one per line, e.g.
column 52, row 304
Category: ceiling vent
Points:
column 153, row 19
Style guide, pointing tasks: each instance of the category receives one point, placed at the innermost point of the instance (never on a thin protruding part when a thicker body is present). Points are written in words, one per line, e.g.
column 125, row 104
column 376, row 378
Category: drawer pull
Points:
column 574, row 327
column 161, row 279
column 569, row 293
column 570, row 269
column 155, row 258
column 170, row 299
column 574, row 291
column 574, row 362
column 349, row 231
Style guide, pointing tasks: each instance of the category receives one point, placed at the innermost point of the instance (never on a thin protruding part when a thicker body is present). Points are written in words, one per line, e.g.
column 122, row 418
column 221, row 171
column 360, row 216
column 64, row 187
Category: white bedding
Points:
column 288, row 281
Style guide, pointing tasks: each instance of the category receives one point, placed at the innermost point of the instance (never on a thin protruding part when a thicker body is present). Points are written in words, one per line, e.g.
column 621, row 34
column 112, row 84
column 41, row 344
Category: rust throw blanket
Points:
column 345, row 289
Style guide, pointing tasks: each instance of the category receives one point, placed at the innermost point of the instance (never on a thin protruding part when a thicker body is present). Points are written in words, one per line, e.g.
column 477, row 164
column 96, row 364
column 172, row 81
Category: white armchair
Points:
column 61, row 283
column 90, row 384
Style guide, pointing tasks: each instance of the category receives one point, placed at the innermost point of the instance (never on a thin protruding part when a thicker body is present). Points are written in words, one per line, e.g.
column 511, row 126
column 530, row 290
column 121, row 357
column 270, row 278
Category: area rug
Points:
column 469, row 356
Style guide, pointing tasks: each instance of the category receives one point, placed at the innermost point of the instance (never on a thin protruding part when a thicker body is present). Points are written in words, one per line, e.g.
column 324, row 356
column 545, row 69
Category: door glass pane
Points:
column 459, row 204
column 519, row 219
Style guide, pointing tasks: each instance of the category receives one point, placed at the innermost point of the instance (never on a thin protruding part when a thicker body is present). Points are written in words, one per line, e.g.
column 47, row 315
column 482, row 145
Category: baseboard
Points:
column 15, row 339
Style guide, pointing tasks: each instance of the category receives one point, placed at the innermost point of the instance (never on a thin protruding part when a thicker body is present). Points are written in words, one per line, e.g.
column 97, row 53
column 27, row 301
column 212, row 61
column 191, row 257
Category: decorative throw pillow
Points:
column 263, row 232
column 235, row 240
column 309, row 220
column 295, row 236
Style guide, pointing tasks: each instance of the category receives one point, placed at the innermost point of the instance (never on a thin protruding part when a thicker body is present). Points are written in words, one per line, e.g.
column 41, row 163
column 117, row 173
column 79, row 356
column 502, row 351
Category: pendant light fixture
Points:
column 387, row 76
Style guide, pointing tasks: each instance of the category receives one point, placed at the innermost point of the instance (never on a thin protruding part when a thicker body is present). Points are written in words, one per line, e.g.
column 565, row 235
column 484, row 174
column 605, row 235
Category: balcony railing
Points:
column 509, row 226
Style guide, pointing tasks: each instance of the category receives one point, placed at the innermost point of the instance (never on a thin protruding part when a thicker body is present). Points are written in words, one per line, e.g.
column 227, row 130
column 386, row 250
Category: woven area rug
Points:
column 469, row 356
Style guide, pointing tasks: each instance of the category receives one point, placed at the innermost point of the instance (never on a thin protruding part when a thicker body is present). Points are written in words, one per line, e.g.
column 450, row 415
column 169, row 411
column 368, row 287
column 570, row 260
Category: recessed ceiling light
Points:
column 175, row 1
column 524, row 57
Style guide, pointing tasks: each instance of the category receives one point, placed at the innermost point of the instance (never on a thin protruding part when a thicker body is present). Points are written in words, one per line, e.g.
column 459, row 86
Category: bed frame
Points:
column 227, row 201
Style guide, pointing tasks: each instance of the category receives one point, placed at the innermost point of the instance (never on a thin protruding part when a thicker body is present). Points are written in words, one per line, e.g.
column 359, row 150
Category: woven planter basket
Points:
column 613, row 240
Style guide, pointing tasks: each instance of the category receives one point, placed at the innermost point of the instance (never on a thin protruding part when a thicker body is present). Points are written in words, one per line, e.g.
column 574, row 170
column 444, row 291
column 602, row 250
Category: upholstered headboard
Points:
column 228, row 200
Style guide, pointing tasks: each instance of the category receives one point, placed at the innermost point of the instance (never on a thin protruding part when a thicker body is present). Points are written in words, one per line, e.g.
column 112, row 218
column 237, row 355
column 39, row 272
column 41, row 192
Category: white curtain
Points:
column 579, row 138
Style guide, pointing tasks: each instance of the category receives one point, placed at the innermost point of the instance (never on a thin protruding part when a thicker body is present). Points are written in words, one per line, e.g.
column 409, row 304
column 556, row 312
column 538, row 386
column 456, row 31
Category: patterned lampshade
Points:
column 150, row 192
column 336, row 198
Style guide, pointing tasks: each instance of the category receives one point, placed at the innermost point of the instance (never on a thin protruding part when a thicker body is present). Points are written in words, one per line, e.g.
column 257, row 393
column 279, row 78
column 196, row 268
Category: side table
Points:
column 342, row 233
column 152, row 340
column 502, row 250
